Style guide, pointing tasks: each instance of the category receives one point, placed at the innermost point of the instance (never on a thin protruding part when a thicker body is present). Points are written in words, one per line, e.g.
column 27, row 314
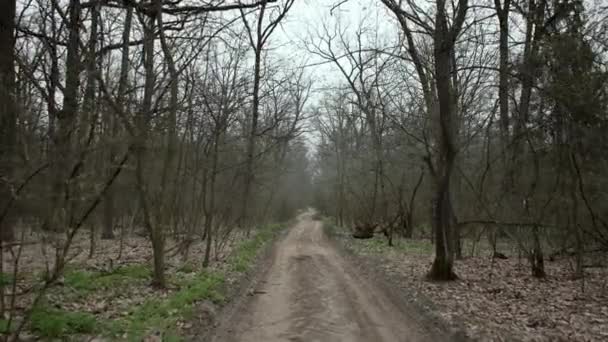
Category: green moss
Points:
column 55, row 323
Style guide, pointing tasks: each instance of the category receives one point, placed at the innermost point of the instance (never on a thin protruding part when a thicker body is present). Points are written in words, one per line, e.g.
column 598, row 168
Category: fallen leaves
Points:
column 106, row 286
column 500, row 301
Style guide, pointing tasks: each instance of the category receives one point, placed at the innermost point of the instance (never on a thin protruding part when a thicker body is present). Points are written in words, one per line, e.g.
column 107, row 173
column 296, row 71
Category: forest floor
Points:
column 494, row 300
column 309, row 291
column 107, row 296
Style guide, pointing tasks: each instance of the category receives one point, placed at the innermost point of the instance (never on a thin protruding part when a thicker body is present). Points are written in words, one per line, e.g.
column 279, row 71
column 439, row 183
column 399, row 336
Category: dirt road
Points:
column 312, row 293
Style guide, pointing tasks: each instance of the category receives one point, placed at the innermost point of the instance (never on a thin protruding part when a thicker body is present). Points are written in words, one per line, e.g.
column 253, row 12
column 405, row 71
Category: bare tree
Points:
column 258, row 35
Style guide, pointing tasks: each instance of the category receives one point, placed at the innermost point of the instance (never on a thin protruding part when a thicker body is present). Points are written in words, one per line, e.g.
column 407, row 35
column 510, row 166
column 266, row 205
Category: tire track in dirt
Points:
column 312, row 293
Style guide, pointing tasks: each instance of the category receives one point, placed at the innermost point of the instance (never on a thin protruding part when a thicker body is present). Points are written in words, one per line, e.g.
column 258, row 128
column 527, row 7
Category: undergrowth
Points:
column 89, row 281
column 378, row 244
column 53, row 323
column 49, row 322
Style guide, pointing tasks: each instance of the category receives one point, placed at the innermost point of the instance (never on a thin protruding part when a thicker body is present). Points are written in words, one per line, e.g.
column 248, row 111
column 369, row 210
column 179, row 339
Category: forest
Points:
column 151, row 150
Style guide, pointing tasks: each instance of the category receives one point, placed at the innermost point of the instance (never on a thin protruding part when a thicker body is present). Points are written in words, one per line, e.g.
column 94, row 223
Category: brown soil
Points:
column 310, row 292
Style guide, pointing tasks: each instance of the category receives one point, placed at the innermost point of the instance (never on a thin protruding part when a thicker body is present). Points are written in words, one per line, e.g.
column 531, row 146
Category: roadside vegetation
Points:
column 116, row 303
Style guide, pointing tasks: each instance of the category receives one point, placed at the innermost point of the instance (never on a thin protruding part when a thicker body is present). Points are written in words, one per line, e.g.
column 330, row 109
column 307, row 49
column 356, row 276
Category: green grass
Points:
column 379, row 245
column 84, row 282
column 162, row 314
column 55, row 323
column 6, row 279
column 188, row 267
column 245, row 253
column 4, row 328
column 155, row 314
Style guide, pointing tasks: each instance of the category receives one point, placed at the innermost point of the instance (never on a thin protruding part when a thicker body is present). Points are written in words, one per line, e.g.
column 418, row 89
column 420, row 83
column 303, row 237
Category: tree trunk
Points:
column 154, row 228
column 169, row 193
column 8, row 117
column 210, row 210
column 409, row 218
column 444, row 40
column 537, row 259
column 112, row 129
column 251, row 141
column 63, row 200
column 408, row 225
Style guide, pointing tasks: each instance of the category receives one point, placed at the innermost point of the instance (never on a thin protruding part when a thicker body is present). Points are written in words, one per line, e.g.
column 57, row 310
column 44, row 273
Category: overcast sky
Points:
column 307, row 16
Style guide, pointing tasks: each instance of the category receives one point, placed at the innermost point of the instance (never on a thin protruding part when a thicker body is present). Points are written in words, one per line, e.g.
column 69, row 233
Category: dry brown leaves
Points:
column 501, row 301
column 116, row 300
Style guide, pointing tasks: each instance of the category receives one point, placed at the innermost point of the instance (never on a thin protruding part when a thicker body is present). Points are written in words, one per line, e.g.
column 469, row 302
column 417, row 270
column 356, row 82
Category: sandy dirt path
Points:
column 311, row 292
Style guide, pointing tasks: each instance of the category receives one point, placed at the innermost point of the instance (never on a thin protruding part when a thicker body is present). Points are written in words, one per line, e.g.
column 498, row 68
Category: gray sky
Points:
column 307, row 16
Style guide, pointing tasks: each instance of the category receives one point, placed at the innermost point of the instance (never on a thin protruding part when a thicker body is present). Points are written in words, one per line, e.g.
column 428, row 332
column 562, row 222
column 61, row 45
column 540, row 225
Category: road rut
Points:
column 312, row 293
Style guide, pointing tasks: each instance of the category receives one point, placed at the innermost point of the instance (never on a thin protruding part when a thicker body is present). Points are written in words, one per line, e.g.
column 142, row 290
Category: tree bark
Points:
column 62, row 199
column 155, row 230
column 112, row 129
column 257, row 46
column 444, row 41
column 8, row 115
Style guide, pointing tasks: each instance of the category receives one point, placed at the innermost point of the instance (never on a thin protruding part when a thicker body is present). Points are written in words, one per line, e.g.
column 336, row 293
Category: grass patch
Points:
column 379, row 245
column 6, row 279
column 55, row 323
column 4, row 328
column 162, row 314
column 88, row 281
column 415, row 246
column 188, row 267
column 155, row 314
column 246, row 251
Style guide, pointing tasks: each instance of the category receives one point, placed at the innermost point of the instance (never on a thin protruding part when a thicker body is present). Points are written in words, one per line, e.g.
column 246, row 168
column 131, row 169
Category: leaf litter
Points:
column 498, row 300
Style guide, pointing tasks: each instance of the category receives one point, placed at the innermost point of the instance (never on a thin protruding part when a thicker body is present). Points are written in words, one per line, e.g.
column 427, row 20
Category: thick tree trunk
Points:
column 537, row 258
column 8, row 117
column 442, row 268
column 444, row 40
